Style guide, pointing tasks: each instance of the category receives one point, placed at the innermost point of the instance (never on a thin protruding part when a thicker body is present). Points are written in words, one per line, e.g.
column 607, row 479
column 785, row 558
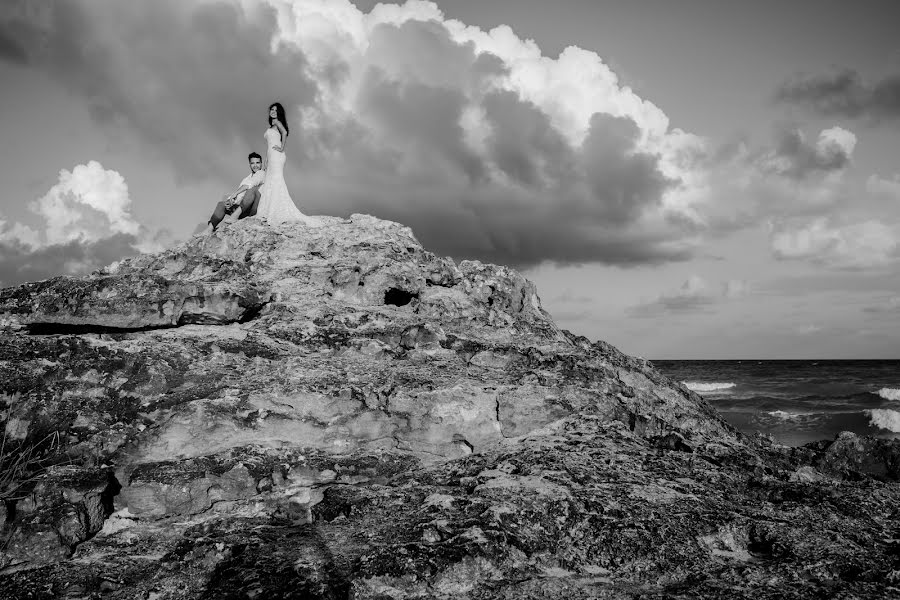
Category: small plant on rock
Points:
column 22, row 464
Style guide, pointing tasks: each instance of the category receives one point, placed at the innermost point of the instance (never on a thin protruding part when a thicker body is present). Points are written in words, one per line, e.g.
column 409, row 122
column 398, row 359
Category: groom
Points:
column 245, row 199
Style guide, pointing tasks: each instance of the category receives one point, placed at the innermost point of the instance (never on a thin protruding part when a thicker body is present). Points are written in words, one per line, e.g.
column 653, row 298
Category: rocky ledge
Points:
column 334, row 412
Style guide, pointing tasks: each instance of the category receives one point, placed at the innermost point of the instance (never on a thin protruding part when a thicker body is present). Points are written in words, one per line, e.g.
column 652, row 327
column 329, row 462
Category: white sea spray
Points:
column 789, row 416
column 889, row 393
column 698, row 386
column 884, row 418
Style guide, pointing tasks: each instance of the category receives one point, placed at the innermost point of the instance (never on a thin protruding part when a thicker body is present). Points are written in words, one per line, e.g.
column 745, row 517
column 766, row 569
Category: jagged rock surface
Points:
column 335, row 412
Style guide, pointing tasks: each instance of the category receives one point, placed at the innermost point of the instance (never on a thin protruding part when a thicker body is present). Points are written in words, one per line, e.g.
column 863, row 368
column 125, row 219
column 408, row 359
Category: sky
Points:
column 687, row 180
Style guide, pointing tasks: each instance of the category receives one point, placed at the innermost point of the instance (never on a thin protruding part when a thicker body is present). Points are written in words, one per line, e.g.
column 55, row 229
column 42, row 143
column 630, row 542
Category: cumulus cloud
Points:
column 844, row 93
column 796, row 157
column 859, row 245
column 86, row 224
column 18, row 234
column 482, row 144
column 694, row 295
column 88, row 203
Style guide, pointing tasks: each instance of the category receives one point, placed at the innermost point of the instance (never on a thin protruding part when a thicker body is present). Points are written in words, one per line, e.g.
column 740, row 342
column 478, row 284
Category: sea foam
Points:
column 789, row 416
column 889, row 393
column 697, row 386
column 884, row 418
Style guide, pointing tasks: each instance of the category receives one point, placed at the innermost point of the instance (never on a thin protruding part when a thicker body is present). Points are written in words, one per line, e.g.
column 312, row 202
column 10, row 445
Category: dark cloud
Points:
column 193, row 80
column 624, row 181
column 20, row 263
column 844, row 94
column 505, row 225
column 525, row 197
column 427, row 137
column 524, row 145
column 421, row 117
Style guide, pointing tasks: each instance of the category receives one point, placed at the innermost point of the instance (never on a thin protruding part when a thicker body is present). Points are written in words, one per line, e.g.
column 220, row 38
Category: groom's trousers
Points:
column 249, row 204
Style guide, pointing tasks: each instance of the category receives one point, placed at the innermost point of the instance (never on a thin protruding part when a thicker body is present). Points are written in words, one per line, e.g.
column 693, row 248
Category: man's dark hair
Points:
column 253, row 155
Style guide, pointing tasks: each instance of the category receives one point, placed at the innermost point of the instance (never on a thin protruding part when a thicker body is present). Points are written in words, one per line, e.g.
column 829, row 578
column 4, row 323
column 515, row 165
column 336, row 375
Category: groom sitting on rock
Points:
column 245, row 199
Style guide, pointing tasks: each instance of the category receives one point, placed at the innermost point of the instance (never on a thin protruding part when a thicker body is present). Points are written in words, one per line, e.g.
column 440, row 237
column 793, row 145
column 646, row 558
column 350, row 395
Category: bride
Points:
column 275, row 204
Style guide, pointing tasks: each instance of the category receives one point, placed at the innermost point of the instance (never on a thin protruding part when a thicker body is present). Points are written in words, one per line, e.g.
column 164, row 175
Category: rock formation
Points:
column 291, row 412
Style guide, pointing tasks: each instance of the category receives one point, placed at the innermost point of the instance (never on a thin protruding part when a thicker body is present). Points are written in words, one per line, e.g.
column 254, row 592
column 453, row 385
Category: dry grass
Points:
column 22, row 464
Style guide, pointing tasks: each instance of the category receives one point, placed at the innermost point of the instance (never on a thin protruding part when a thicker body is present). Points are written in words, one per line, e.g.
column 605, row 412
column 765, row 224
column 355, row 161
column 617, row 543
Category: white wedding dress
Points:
column 275, row 202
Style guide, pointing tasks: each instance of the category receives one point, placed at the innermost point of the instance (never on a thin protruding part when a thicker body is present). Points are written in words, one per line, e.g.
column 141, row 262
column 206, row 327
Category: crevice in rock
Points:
column 253, row 312
column 39, row 328
column 464, row 444
column 440, row 283
column 398, row 297
column 464, row 348
column 634, row 422
column 10, row 504
column 86, row 328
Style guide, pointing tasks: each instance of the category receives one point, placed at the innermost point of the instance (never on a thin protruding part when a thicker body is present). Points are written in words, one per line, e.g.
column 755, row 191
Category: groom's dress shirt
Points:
column 252, row 180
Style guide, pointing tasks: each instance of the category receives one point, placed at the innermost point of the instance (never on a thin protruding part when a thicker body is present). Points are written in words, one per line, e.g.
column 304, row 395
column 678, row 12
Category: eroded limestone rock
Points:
column 336, row 412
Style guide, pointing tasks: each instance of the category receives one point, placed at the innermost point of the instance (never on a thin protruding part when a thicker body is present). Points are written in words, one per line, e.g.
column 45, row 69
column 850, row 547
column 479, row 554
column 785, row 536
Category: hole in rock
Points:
column 113, row 487
column 761, row 548
column 398, row 297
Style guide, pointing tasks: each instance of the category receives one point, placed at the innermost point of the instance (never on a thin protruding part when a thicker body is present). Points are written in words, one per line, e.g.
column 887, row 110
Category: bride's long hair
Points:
column 279, row 110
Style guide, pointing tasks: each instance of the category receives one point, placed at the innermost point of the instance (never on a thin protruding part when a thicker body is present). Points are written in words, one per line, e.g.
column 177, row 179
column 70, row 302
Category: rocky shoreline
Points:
column 289, row 412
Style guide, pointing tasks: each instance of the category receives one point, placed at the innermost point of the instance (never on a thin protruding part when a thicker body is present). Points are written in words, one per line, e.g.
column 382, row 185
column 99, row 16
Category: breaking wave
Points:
column 697, row 386
column 884, row 418
column 789, row 416
column 889, row 393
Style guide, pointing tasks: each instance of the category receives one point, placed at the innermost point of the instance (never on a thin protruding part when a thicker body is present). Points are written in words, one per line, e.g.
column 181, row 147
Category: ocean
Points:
column 798, row 401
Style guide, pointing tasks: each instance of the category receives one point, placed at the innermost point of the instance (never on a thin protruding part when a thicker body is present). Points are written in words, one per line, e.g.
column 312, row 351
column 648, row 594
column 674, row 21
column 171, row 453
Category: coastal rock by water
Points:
column 335, row 412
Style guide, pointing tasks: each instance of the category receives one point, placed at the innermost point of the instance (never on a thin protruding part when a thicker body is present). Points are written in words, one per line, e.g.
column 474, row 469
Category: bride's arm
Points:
column 283, row 133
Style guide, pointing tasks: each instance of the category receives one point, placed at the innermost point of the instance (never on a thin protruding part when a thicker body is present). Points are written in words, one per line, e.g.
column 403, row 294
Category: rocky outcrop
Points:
column 169, row 293
column 283, row 411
